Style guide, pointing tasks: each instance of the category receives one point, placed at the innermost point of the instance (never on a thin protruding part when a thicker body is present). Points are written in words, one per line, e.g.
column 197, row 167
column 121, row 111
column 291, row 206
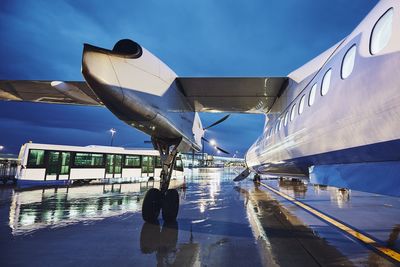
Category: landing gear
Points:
column 165, row 199
column 151, row 205
column 170, row 205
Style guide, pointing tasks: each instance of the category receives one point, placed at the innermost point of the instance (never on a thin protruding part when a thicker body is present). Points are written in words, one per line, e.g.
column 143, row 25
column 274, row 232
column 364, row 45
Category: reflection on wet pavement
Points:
column 219, row 224
column 289, row 239
column 32, row 210
column 163, row 241
column 364, row 212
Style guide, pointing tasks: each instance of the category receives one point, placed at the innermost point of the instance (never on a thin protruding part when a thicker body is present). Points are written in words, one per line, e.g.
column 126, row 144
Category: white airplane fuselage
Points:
column 350, row 130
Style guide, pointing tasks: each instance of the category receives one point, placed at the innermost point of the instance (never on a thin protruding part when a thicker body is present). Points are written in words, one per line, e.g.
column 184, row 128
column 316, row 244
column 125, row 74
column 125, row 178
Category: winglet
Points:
column 243, row 175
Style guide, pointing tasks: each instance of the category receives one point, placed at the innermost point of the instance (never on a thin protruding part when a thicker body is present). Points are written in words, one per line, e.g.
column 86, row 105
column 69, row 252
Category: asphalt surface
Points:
column 220, row 223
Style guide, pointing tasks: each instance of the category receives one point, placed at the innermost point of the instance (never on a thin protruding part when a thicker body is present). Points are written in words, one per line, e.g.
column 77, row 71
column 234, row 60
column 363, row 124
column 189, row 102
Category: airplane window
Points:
column 286, row 117
column 311, row 97
column 293, row 112
column 301, row 105
column 348, row 62
column 326, row 81
column 381, row 32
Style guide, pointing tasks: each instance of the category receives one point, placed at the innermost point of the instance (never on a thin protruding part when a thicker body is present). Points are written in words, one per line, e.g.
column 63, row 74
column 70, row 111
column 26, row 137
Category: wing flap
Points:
column 247, row 95
column 74, row 92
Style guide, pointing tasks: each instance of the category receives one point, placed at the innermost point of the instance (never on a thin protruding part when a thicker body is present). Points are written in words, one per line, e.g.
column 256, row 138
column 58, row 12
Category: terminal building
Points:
column 198, row 160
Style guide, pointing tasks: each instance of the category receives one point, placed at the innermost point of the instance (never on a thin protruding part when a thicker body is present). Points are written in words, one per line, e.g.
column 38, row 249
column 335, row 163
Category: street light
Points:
column 213, row 143
column 112, row 131
column 1, row 147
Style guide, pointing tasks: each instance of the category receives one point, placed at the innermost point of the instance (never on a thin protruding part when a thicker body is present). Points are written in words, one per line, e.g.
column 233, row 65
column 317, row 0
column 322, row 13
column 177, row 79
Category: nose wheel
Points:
column 154, row 202
column 151, row 205
column 164, row 199
column 170, row 205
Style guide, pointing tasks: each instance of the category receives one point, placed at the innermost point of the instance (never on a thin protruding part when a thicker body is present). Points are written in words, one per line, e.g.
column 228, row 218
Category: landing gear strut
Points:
column 164, row 199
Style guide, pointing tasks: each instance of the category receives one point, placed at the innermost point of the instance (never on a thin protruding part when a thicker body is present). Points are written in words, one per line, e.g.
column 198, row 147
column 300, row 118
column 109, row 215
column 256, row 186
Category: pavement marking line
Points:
column 352, row 232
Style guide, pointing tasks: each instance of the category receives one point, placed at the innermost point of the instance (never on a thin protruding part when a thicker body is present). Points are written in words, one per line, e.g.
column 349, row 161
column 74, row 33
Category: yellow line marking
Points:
column 363, row 238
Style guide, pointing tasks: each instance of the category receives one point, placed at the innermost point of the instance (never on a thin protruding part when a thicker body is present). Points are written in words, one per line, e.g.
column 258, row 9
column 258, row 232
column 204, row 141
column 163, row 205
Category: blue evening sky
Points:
column 43, row 40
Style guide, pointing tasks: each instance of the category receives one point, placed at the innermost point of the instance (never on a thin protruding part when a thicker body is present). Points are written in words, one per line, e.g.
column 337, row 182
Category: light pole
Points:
column 112, row 131
column 213, row 143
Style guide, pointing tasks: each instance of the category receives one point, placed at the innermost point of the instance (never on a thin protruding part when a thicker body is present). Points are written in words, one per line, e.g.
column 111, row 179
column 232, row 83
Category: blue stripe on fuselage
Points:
column 378, row 152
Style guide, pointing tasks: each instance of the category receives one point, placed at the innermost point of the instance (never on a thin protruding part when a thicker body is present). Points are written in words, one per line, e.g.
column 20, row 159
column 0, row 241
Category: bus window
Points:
column 132, row 161
column 158, row 162
column 147, row 164
column 53, row 166
column 36, row 158
column 88, row 160
column 118, row 164
column 65, row 160
column 178, row 165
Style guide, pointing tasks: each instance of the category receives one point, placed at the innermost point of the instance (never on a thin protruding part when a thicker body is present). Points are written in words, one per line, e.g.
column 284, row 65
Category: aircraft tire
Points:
column 151, row 205
column 170, row 205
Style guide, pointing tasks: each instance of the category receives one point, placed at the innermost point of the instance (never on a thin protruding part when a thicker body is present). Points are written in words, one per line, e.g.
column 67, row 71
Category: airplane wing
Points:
column 245, row 95
column 74, row 92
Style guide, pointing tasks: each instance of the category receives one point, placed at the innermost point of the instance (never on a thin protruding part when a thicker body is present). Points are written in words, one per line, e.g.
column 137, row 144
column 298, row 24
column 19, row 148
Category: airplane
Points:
column 334, row 120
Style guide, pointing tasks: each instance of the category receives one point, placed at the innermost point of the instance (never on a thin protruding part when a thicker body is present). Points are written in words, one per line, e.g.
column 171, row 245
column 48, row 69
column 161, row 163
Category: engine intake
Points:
column 127, row 48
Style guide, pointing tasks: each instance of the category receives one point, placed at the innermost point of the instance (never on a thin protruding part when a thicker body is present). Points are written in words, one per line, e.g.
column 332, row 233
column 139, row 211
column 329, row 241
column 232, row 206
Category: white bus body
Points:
column 45, row 164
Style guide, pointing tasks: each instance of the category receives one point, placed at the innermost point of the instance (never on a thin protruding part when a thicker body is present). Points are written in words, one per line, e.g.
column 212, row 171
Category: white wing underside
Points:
column 57, row 92
column 244, row 95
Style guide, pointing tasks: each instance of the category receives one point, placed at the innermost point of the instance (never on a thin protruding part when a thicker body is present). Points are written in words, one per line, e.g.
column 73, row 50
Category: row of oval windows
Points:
column 380, row 37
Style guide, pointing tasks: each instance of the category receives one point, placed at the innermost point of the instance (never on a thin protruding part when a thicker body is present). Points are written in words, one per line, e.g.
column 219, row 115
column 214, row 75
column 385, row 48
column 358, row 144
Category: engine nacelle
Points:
column 139, row 89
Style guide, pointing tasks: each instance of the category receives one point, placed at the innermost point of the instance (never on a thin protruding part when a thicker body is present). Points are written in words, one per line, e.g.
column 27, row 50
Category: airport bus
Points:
column 46, row 164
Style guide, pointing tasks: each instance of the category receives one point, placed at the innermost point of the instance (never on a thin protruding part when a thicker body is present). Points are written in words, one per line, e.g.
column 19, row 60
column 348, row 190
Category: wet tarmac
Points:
column 220, row 223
